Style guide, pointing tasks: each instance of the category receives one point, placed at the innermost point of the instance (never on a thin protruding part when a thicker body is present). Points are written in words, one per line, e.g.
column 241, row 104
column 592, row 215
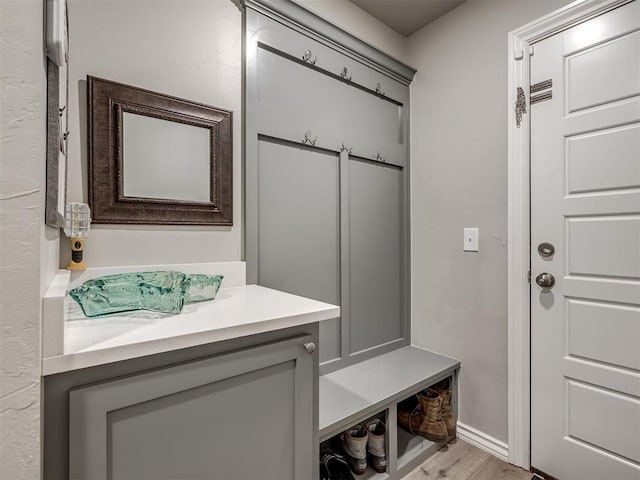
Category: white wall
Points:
column 191, row 49
column 28, row 249
column 459, row 179
column 359, row 23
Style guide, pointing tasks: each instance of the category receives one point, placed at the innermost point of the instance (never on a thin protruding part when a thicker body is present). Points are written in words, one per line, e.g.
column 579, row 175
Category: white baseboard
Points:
column 483, row 441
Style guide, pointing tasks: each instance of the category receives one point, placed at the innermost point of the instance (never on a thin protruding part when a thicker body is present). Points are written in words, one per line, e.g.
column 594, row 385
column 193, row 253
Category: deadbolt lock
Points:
column 546, row 249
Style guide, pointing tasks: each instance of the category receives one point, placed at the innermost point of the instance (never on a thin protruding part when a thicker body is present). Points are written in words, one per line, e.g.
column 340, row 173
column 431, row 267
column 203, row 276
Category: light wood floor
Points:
column 462, row 461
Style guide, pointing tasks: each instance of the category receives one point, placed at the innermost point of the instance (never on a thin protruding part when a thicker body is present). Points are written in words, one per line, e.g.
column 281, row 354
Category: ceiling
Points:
column 407, row 16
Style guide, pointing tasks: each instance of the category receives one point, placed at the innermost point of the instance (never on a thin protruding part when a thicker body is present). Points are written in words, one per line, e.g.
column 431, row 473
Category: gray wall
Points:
column 187, row 48
column 28, row 249
column 191, row 49
column 459, row 179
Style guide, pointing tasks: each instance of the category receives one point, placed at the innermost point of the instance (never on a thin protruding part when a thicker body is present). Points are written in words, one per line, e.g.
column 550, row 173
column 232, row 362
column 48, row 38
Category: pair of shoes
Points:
column 334, row 467
column 362, row 441
column 432, row 418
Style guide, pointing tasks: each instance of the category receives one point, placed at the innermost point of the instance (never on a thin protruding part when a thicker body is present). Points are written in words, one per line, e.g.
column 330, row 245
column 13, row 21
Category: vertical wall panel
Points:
column 376, row 254
column 298, row 228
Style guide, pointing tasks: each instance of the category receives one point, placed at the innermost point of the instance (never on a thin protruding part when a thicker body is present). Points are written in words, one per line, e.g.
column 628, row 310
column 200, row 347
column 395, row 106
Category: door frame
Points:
column 521, row 46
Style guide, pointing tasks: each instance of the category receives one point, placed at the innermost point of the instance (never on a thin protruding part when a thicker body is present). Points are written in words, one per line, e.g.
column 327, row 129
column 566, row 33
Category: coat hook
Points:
column 345, row 74
column 379, row 89
column 307, row 57
column 63, row 143
column 307, row 139
column 380, row 158
column 346, row 148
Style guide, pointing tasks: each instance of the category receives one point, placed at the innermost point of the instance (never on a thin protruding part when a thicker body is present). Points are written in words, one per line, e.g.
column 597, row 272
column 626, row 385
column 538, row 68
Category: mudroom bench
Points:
column 374, row 388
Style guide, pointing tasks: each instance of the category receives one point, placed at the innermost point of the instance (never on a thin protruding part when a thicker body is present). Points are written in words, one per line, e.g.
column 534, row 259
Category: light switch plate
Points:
column 471, row 239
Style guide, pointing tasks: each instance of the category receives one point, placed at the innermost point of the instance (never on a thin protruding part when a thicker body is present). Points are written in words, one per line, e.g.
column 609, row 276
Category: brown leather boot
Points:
column 447, row 413
column 411, row 420
column 426, row 419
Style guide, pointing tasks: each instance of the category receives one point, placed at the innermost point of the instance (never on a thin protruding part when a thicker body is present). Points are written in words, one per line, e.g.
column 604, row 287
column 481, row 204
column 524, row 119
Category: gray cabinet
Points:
column 249, row 414
column 326, row 178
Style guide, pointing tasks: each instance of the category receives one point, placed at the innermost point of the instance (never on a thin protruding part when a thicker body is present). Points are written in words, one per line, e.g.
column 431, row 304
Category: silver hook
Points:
column 345, row 74
column 346, row 148
column 380, row 158
column 307, row 139
column 307, row 57
column 63, row 143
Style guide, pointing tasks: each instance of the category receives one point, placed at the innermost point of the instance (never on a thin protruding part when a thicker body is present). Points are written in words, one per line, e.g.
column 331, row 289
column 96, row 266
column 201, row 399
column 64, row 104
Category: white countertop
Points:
column 236, row 312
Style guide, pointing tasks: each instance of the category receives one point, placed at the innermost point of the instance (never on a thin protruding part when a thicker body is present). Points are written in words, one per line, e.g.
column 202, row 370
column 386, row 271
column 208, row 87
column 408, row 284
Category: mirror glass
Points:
column 164, row 159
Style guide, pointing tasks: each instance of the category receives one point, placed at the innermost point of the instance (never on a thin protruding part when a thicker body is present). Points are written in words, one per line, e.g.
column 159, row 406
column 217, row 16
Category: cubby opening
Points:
column 334, row 445
column 410, row 445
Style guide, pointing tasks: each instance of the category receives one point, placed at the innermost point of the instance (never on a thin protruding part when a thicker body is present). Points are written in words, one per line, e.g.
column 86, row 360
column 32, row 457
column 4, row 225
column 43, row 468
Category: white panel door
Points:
column 585, row 198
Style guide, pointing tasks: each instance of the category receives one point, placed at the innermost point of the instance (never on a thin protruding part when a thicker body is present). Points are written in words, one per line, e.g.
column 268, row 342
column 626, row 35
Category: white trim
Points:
column 483, row 441
column 518, row 298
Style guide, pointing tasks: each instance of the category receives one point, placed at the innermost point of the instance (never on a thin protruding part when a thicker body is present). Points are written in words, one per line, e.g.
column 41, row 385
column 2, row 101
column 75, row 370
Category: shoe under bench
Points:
column 373, row 388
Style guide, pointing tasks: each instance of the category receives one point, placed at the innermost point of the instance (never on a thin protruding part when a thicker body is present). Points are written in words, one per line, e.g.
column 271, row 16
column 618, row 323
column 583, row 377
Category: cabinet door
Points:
column 376, row 252
column 243, row 415
column 298, row 228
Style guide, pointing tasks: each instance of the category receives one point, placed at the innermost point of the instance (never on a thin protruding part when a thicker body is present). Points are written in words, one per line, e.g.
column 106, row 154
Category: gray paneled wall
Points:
column 298, row 250
column 375, row 253
column 326, row 182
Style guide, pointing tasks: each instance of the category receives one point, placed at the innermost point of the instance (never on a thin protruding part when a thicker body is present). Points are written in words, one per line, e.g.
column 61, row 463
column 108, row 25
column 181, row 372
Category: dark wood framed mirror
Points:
column 157, row 159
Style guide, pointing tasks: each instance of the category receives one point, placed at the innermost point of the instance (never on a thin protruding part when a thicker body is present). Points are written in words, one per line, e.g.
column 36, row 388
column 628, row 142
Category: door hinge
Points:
column 521, row 106
column 529, row 276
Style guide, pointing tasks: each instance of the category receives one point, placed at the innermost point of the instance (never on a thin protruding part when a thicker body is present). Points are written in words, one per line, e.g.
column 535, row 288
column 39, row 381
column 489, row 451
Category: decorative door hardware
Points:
column 307, row 58
column 521, row 106
column 345, row 74
column 541, row 97
column 307, row 139
column 538, row 87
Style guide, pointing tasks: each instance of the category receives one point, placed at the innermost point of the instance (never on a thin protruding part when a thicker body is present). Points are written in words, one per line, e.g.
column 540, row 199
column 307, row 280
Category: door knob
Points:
column 545, row 280
column 310, row 347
